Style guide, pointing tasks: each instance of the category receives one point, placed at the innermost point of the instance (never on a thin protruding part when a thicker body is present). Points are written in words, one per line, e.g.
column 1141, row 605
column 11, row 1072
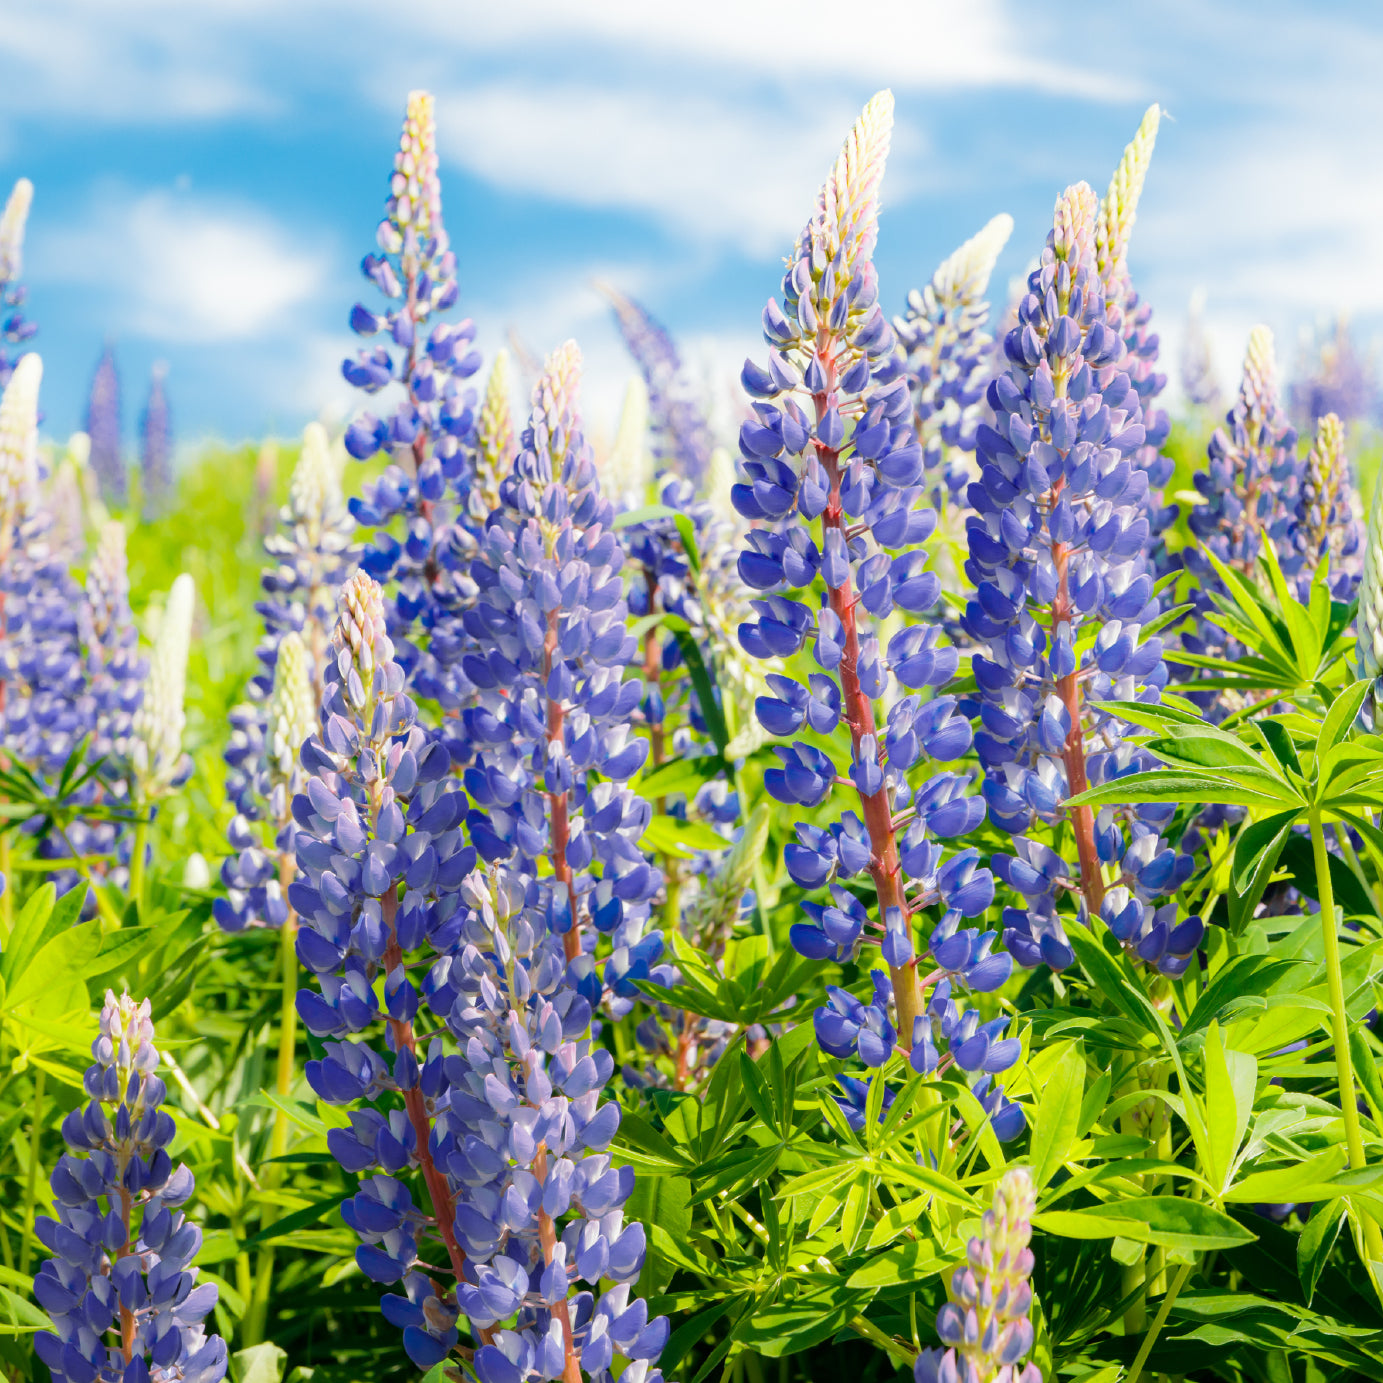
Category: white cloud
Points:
column 191, row 271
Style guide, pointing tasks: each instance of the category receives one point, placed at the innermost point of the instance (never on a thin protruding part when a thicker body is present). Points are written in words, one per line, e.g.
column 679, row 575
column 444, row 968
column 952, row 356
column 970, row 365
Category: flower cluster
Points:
column 861, row 479
column 1252, row 482
column 948, row 350
column 984, row 1325
column 14, row 328
column 156, row 445
column 682, row 440
column 495, row 444
column 431, row 429
column 120, row 1287
column 1332, row 377
column 509, row 1135
column 1061, row 597
column 1200, row 385
column 552, row 705
column 1326, row 529
column 157, row 760
column 103, row 427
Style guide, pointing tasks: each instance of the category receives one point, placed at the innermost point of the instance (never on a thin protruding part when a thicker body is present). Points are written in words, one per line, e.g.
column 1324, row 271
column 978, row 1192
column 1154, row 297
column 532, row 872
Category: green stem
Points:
column 1163, row 1311
column 31, row 1190
column 7, row 898
column 137, row 872
column 871, row 1332
column 1339, row 1023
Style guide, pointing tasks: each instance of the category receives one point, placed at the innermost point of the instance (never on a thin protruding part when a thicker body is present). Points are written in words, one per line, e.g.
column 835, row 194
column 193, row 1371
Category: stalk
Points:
column 31, row 1188
column 557, row 803
column 1135, row 1372
column 1339, row 1023
column 137, row 871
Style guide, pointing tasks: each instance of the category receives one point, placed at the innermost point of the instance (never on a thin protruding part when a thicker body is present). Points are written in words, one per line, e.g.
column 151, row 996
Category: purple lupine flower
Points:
column 1057, row 548
column 15, row 329
column 682, row 438
column 1331, row 377
column 539, row 1202
column 104, row 428
column 948, row 350
column 831, row 440
column 156, row 445
column 430, row 431
column 552, row 704
column 984, row 1325
column 120, row 1288
column 1200, row 385
column 380, row 811
column 1326, row 527
column 1132, row 317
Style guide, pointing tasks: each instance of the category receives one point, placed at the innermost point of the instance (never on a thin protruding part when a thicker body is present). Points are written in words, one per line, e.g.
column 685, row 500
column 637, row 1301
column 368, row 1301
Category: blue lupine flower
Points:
column 1332, row 377
column 312, row 555
column 156, row 445
column 682, row 438
column 553, row 706
column 948, row 351
column 1057, row 548
column 104, row 428
column 984, row 1325
column 430, row 431
column 15, row 329
column 120, row 1287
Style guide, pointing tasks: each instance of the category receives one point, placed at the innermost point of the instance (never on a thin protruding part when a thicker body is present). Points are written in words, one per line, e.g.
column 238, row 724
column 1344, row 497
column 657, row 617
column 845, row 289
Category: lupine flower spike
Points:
column 103, row 426
column 156, row 445
column 14, row 329
column 948, row 353
column 120, row 1288
column 495, row 443
column 156, row 740
column 1200, row 385
column 1332, row 377
column 553, row 704
column 1056, row 548
column 984, row 1324
column 1326, row 529
column 1369, row 622
column 838, row 448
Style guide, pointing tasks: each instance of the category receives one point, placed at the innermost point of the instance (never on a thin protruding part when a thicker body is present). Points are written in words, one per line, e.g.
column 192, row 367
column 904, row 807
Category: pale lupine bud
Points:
column 1369, row 623
column 986, row 1323
column 314, row 492
column 1326, row 527
column 292, row 709
column 415, row 194
column 627, row 471
column 360, row 629
column 715, row 909
column 19, row 444
column 848, row 212
column 495, row 444
column 12, row 223
column 1120, row 206
column 158, row 725
column 1200, row 385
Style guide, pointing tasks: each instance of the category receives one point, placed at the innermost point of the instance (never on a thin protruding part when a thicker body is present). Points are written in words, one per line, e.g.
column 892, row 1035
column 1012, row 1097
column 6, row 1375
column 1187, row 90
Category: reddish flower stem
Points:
column 547, row 1236
column 558, row 823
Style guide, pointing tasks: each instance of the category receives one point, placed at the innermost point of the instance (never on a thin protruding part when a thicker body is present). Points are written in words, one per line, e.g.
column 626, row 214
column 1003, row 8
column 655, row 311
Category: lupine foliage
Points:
column 898, row 903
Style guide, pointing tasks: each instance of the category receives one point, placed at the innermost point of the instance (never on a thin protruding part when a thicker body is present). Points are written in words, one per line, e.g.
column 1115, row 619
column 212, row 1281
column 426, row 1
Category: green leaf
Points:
column 20, row 1317
column 1311, row 1180
column 1239, row 978
column 701, row 681
column 1298, row 857
column 1058, row 1116
column 1343, row 712
column 1230, row 1078
column 1256, row 851
column 669, row 835
column 1366, row 1069
column 258, row 1364
column 299, row 1219
column 1314, row 1245
column 1242, row 787
column 683, row 775
column 913, row 1261
column 1170, row 1221
column 63, row 959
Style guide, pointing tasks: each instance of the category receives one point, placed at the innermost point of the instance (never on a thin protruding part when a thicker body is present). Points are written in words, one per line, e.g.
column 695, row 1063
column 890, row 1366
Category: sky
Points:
column 209, row 174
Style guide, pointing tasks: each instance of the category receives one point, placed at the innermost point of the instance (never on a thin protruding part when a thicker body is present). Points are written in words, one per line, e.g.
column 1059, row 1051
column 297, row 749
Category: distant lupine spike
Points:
column 120, row 1288
column 1326, row 528
column 19, row 445
column 495, row 443
column 1252, row 482
column 681, row 434
column 838, row 447
column 984, row 1324
column 1200, row 385
column 1333, row 377
column 430, row 432
column 156, row 445
column 14, row 329
column 626, row 470
column 553, row 706
column 1369, row 620
column 1133, row 317
column 156, row 749
column 948, row 351
column 103, row 426
column 1057, row 549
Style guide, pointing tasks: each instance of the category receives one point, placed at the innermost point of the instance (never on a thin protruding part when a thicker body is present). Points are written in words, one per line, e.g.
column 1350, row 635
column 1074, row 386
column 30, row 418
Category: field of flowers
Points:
column 891, row 895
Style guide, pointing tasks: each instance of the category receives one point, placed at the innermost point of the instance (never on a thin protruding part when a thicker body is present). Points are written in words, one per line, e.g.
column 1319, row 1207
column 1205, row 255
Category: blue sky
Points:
column 208, row 174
